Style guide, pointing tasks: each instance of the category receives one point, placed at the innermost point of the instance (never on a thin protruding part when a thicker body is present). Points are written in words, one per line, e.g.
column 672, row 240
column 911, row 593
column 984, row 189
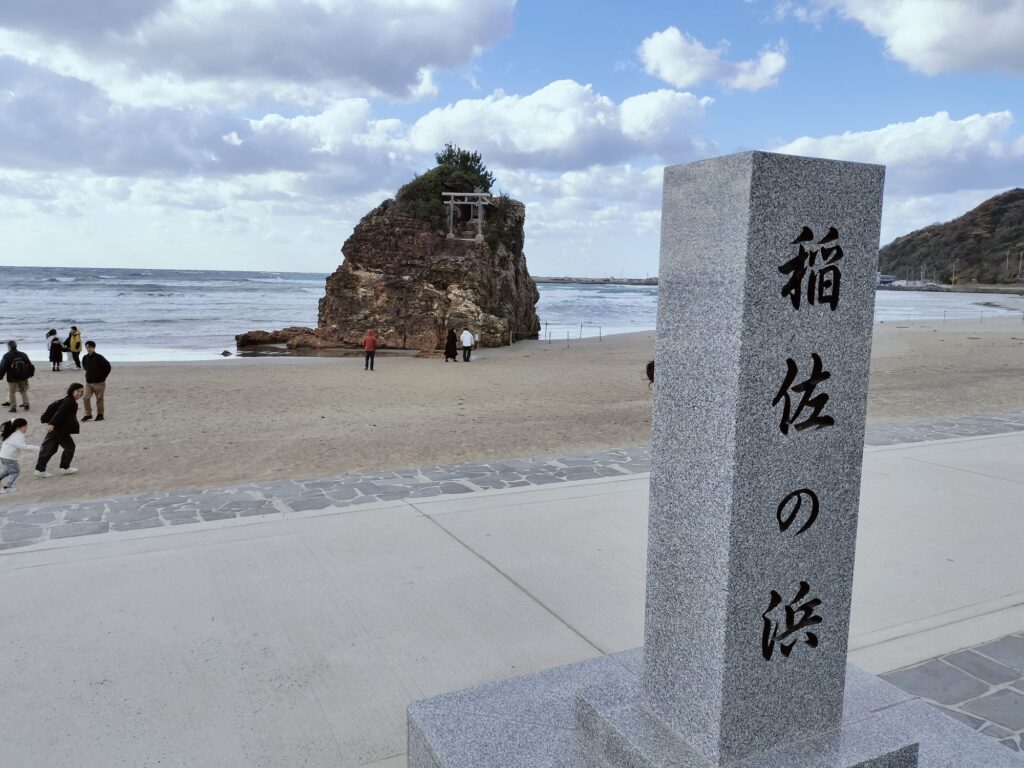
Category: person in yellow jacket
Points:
column 73, row 344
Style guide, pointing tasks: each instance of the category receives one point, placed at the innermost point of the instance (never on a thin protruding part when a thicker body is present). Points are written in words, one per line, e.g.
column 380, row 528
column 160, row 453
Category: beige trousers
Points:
column 13, row 388
column 94, row 389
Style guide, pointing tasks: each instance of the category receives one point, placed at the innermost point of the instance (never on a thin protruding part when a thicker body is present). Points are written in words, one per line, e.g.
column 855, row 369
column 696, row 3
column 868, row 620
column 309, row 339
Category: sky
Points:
column 254, row 134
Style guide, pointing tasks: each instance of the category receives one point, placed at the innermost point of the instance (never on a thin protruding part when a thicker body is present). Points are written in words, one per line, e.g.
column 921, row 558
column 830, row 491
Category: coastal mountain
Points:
column 985, row 245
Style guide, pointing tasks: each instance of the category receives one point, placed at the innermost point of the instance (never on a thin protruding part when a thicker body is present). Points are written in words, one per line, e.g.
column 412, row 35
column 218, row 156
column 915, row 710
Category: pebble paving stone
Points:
column 1005, row 707
column 993, row 704
column 1008, row 651
column 983, row 668
column 938, row 681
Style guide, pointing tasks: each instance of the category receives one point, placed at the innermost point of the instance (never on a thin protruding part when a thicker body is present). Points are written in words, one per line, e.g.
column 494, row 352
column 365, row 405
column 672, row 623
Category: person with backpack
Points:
column 96, row 371
column 55, row 349
column 18, row 369
column 12, row 445
column 73, row 344
column 61, row 418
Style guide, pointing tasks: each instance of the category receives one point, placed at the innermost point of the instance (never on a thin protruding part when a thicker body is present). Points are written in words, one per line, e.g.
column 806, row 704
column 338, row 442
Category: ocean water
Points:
column 148, row 315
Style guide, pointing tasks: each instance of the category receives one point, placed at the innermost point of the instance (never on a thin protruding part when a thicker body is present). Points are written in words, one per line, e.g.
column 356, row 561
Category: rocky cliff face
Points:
column 403, row 277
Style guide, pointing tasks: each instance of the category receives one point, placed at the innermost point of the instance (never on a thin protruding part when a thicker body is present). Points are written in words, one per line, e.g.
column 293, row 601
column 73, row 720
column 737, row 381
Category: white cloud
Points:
column 564, row 125
column 174, row 52
column 930, row 154
column 935, row 36
column 683, row 61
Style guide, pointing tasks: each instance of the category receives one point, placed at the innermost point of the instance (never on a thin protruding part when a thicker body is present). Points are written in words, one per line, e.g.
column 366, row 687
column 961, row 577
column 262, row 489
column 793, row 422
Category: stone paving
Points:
column 981, row 686
column 944, row 429
column 21, row 526
column 24, row 525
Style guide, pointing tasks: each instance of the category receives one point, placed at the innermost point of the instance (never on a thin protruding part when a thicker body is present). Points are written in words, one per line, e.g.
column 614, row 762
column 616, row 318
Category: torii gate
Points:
column 477, row 200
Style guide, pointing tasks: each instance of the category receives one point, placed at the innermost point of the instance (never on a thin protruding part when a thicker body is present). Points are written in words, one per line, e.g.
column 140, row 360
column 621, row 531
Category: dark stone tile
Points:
column 134, row 525
column 394, row 495
column 268, row 509
column 85, row 515
column 424, row 493
column 981, row 667
column 937, row 681
column 996, row 732
column 1008, row 651
column 67, row 530
column 1011, row 744
column 451, row 488
column 584, row 476
column 217, row 514
column 305, row 505
column 540, row 480
column 33, row 518
column 20, row 532
column 969, row 720
column 1005, row 708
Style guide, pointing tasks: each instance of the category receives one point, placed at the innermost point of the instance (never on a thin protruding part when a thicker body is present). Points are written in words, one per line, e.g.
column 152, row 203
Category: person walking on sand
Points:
column 370, row 348
column 55, row 348
column 12, row 445
column 451, row 347
column 97, row 369
column 18, row 369
column 73, row 344
column 468, row 340
column 61, row 419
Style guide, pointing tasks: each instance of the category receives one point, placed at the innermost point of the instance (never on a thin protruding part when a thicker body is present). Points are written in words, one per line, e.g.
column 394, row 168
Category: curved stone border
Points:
column 24, row 525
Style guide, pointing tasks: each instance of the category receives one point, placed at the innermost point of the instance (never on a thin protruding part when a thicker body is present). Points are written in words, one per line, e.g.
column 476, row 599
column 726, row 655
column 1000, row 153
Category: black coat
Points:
column 56, row 350
column 96, row 368
column 5, row 366
column 451, row 345
column 66, row 418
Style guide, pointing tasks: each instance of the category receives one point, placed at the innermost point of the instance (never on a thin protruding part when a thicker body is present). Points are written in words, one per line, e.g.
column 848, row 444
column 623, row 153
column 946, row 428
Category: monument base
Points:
column 587, row 715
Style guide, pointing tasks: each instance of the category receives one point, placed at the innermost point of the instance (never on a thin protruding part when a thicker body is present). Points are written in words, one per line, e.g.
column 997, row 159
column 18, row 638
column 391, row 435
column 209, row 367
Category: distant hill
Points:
column 978, row 241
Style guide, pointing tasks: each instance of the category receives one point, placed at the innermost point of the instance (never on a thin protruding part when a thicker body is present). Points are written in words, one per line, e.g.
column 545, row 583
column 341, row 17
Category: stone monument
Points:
column 765, row 315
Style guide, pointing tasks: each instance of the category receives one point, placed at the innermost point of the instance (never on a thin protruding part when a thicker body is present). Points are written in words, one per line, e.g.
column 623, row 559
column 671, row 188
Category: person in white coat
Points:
column 468, row 340
column 12, row 435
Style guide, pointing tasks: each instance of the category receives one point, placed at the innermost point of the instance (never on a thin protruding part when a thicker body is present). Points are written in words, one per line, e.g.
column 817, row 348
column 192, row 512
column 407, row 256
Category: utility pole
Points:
column 953, row 281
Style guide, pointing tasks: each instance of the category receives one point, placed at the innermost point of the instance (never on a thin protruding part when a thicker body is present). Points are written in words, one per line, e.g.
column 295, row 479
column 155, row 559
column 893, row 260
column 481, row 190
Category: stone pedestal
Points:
column 587, row 715
column 765, row 316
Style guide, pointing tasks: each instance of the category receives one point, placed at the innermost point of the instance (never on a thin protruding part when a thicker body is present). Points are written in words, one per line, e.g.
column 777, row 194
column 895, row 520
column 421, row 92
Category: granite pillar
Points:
column 766, row 303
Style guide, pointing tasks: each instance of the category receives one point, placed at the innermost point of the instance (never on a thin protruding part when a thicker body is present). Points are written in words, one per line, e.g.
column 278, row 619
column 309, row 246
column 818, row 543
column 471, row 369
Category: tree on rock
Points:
column 457, row 170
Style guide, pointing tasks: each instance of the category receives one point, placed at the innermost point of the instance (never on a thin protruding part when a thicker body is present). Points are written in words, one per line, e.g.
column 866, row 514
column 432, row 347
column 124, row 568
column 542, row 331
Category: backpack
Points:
column 21, row 369
column 51, row 411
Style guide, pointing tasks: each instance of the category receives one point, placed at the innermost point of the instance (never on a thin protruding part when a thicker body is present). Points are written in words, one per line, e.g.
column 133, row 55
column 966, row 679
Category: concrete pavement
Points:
column 299, row 639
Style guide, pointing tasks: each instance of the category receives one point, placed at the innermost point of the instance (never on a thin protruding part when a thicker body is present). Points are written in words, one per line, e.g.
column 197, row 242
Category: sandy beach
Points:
column 231, row 421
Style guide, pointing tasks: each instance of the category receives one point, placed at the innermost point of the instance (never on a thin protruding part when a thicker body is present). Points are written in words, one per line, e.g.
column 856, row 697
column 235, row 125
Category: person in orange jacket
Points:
column 370, row 347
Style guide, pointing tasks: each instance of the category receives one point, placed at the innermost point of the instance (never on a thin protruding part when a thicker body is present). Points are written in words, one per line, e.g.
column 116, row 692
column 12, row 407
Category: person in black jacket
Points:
column 18, row 369
column 61, row 425
column 56, row 349
column 96, row 371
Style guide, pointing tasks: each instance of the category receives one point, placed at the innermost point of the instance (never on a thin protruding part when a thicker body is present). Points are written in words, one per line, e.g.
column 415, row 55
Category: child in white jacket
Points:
column 12, row 436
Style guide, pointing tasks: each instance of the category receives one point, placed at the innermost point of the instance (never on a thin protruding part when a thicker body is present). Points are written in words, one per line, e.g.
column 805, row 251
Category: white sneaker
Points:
column 68, row 471
column 8, row 490
column 43, row 474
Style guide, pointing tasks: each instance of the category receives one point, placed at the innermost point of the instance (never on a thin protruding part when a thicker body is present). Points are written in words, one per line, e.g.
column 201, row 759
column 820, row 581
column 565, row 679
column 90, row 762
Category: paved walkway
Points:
column 981, row 686
column 24, row 525
column 300, row 638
